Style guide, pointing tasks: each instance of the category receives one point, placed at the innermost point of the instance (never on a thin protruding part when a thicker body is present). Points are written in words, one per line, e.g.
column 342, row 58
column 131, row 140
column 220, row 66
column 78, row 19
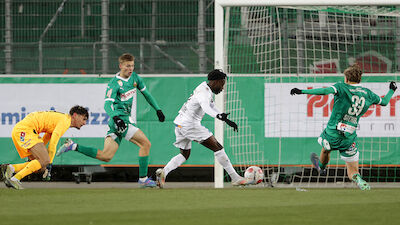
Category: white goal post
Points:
column 220, row 51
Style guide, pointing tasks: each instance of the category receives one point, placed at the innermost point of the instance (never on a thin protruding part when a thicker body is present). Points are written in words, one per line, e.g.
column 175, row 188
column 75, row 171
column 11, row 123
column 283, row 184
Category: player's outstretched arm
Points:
column 316, row 91
column 224, row 117
column 388, row 96
column 296, row 91
column 160, row 115
column 393, row 86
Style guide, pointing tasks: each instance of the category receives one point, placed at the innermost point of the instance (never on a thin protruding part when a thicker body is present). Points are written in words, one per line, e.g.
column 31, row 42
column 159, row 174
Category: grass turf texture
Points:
column 199, row 206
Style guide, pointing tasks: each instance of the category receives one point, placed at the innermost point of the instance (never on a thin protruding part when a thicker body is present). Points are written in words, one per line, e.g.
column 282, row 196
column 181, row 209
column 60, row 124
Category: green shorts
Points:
column 347, row 146
column 127, row 134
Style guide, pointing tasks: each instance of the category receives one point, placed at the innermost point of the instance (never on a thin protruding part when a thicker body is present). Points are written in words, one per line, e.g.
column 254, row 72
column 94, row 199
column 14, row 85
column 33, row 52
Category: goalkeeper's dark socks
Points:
column 89, row 151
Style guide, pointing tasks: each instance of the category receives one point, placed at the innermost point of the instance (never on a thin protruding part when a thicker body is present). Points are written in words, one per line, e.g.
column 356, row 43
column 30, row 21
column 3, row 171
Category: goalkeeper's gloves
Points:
column 393, row 86
column 160, row 115
column 295, row 91
column 47, row 173
column 120, row 124
column 224, row 117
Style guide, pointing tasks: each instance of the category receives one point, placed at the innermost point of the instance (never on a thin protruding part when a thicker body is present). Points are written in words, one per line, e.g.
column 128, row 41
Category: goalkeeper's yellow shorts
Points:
column 25, row 138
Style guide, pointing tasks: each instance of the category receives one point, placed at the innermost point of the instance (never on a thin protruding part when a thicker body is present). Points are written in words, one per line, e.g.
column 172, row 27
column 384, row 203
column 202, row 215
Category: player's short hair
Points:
column 353, row 73
column 80, row 110
column 126, row 57
column 216, row 75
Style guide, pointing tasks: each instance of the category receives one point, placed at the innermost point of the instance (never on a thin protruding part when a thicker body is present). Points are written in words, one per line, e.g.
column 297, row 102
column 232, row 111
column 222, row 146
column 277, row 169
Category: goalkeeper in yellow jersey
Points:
column 29, row 143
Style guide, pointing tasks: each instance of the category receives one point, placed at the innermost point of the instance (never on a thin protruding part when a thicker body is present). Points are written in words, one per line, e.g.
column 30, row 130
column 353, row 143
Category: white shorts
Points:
column 353, row 158
column 185, row 135
column 128, row 134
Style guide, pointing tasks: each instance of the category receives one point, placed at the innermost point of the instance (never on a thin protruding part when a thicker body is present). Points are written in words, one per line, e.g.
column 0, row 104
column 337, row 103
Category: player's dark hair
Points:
column 353, row 73
column 216, row 75
column 126, row 57
column 80, row 110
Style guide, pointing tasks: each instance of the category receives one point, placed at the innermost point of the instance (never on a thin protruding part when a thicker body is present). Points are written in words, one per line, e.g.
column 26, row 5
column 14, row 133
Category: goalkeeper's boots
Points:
column 315, row 162
column 160, row 175
column 68, row 145
column 242, row 182
column 13, row 183
column 147, row 183
column 363, row 185
column 6, row 172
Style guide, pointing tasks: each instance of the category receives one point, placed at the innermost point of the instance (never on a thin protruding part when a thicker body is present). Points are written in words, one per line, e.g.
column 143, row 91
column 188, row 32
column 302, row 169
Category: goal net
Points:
column 268, row 50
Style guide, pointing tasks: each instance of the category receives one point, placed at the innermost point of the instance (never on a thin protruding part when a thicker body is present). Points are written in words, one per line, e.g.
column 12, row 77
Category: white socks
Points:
column 174, row 163
column 226, row 163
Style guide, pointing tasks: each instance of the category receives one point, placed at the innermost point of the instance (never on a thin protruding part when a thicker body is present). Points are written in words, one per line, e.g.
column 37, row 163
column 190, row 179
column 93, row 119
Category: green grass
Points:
column 199, row 206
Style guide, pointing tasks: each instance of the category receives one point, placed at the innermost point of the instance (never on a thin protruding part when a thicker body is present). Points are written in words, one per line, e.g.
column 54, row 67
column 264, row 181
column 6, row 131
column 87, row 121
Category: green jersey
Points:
column 121, row 94
column 351, row 101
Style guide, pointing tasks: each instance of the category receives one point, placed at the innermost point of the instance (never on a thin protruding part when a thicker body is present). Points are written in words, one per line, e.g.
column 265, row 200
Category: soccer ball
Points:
column 255, row 174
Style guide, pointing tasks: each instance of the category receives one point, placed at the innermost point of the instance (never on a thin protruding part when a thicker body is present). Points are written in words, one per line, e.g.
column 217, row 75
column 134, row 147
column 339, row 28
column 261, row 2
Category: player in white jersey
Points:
column 188, row 128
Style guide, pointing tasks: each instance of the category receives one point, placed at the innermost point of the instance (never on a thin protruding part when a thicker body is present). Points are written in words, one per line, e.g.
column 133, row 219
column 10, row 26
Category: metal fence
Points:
column 87, row 36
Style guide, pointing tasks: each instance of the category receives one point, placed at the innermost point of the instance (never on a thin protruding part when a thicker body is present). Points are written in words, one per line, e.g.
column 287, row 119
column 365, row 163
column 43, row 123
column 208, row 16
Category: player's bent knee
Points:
column 147, row 145
column 186, row 154
column 106, row 158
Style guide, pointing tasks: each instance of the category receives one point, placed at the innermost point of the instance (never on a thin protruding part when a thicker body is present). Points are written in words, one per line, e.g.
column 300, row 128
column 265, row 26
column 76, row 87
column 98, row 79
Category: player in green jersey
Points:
column 351, row 101
column 118, row 104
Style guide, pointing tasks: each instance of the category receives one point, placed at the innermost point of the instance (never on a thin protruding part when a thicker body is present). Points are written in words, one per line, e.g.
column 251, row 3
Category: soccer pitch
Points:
column 199, row 206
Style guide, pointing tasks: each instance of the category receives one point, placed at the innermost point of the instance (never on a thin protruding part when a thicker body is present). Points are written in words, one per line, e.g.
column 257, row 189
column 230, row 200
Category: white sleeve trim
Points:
column 380, row 100
column 334, row 89
column 109, row 99
column 141, row 90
